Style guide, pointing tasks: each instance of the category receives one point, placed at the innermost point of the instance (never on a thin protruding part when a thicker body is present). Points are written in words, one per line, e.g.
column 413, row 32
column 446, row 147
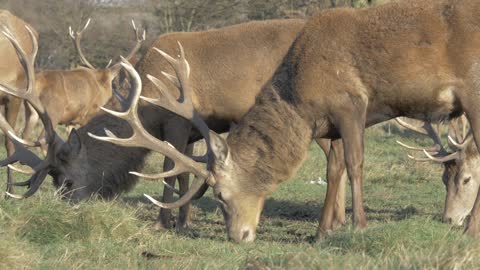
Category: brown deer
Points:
column 417, row 59
column 11, row 72
column 460, row 174
column 73, row 97
column 246, row 55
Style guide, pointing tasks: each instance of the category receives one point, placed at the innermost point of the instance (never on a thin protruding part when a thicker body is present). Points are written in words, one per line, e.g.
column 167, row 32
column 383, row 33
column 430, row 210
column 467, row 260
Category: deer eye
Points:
column 466, row 180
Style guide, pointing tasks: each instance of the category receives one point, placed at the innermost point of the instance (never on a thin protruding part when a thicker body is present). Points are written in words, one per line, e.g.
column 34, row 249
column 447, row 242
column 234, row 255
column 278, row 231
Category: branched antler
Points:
column 23, row 155
column 141, row 138
column 437, row 153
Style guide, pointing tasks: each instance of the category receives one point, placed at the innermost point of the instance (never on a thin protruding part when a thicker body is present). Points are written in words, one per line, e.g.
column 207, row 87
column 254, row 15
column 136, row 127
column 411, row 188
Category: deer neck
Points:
column 270, row 142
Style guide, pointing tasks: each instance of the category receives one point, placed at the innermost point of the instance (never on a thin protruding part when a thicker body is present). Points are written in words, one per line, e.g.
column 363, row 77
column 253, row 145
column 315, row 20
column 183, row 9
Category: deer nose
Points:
column 245, row 235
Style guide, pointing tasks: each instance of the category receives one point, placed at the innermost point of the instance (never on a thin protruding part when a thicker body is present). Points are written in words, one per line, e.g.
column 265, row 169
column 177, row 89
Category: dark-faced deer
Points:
column 347, row 70
column 245, row 56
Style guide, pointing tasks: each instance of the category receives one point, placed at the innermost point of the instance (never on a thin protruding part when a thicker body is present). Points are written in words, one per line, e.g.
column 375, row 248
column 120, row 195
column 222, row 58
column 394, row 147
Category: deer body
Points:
column 348, row 70
column 73, row 97
column 85, row 166
column 246, row 56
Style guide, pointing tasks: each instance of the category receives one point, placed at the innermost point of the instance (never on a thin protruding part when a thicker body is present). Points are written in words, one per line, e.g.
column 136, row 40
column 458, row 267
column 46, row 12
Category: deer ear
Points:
column 74, row 142
column 219, row 147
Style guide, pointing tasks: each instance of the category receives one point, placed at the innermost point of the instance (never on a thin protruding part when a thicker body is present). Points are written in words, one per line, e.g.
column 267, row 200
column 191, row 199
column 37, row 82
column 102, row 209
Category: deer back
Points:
column 74, row 96
column 229, row 65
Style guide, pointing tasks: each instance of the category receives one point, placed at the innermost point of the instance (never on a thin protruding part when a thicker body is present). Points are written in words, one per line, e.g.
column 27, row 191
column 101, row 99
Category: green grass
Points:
column 403, row 200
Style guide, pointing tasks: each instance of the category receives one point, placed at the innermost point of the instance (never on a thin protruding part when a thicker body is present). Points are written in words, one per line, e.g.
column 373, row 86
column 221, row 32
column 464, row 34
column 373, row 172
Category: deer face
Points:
column 462, row 181
column 241, row 207
column 69, row 170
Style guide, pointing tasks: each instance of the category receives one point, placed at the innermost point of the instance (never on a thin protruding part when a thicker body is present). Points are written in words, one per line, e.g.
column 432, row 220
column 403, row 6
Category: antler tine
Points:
column 23, row 171
column 428, row 130
column 437, row 153
column 76, row 38
column 184, row 105
column 434, row 149
column 457, row 142
column 140, row 37
column 411, row 127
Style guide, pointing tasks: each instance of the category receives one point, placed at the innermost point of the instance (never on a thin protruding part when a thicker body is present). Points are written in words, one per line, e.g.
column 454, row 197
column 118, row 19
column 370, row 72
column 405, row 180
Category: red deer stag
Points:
column 245, row 56
column 418, row 59
column 11, row 72
column 460, row 174
column 73, row 97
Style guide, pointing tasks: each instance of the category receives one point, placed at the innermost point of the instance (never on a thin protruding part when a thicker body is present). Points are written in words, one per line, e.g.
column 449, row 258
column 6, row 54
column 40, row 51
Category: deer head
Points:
column 461, row 175
column 240, row 200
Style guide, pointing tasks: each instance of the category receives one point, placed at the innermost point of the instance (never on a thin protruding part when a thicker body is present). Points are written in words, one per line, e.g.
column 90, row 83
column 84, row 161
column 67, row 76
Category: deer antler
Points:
column 40, row 168
column 140, row 37
column 183, row 107
column 438, row 153
column 76, row 38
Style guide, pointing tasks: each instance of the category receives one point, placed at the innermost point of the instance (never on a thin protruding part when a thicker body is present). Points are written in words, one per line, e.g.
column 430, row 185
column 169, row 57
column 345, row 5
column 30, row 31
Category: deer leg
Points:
column 339, row 164
column 31, row 120
column 184, row 217
column 352, row 132
column 333, row 176
column 176, row 132
column 11, row 112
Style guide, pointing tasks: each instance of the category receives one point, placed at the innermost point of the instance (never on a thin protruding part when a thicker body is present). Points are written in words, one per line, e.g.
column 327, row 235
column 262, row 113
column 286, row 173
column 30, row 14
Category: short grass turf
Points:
column 403, row 201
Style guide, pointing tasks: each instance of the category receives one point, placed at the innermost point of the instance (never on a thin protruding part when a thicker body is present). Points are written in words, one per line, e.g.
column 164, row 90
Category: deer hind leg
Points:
column 177, row 134
column 334, row 176
column 184, row 216
column 11, row 112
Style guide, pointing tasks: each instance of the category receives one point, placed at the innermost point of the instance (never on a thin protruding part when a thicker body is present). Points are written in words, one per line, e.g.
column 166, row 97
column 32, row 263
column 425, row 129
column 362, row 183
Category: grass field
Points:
column 403, row 199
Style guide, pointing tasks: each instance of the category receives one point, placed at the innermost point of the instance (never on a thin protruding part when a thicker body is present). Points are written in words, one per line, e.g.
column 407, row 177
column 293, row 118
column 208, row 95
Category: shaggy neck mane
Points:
column 109, row 164
column 270, row 142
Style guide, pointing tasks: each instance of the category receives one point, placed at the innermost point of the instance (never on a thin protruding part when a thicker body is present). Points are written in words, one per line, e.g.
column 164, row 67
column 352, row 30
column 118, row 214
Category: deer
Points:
column 460, row 165
column 11, row 73
column 85, row 167
column 418, row 59
column 74, row 96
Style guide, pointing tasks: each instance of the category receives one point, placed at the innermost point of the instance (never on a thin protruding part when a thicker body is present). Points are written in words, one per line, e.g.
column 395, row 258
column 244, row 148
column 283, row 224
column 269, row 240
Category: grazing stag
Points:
column 229, row 68
column 73, row 97
column 11, row 72
column 460, row 174
column 417, row 59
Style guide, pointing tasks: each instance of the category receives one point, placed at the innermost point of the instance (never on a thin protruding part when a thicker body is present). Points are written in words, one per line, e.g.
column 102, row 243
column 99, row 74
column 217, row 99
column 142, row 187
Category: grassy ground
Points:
column 403, row 200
